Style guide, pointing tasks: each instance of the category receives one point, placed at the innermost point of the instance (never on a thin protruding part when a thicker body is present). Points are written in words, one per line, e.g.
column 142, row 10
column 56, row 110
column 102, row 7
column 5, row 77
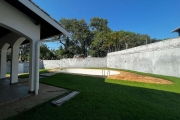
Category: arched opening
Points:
column 16, row 39
column 13, row 39
column 10, row 44
column 3, row 60
column 15, row 60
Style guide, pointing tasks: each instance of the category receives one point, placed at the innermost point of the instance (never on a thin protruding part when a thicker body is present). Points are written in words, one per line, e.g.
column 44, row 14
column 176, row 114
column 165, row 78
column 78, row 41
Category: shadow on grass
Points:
column 108, row 101
column 26, row 75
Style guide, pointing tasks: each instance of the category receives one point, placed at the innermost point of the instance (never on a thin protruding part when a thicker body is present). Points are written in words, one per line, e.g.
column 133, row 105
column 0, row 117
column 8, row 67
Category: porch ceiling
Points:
column 3, row 32
column 176, row 30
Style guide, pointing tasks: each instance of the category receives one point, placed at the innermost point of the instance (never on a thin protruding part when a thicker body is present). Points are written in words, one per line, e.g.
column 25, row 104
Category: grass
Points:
column 107, row 99
column 175, row 87
column 26, row 75
column 7, row 74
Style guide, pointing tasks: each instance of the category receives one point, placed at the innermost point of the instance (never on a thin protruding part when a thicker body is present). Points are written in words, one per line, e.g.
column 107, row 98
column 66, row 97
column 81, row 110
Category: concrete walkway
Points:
column 46, row 92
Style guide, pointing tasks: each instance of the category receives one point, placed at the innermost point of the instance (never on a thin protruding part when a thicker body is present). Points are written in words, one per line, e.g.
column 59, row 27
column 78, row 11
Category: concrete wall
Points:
column 23, row 67
column 157, row 58
column 75, row 63
column 64, row 63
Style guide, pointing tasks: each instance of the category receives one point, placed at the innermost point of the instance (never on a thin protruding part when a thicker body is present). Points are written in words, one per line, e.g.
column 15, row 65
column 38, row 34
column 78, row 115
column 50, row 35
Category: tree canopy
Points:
column 95, row 39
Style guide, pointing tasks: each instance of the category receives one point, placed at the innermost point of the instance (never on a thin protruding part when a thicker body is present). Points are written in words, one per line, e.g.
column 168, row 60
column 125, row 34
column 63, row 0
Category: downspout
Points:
column 37, row 62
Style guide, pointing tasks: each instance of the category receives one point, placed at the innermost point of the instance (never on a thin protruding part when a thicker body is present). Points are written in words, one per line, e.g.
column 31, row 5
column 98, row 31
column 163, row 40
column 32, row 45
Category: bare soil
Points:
column 134, row 77
column 138, row 78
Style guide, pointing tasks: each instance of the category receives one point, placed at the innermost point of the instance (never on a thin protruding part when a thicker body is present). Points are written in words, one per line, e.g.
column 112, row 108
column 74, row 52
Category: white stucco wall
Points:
column 75, row 63
column 23, row 67
column 157, row 58
column 23, row 24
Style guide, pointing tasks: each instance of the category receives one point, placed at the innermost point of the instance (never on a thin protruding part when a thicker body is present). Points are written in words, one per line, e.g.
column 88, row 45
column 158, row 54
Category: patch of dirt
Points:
column 138, row 78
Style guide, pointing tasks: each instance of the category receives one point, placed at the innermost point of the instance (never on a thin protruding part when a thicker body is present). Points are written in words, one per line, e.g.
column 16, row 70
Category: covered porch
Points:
column 22, row 22
column 10, row 92
column 20, row 100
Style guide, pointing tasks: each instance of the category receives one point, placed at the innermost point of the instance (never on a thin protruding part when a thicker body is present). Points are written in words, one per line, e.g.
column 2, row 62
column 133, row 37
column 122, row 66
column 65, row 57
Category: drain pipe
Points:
column 37, row 62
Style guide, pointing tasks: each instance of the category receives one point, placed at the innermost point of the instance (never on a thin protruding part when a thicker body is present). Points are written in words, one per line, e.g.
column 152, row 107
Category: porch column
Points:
column 14, row 63
column 3, row 64
column 37, row 68
column 34, row 67
column 3, row 60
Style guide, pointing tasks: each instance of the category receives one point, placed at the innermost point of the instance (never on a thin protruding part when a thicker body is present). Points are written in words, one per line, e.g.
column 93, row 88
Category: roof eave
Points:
column 176, row 30
column 29, row 4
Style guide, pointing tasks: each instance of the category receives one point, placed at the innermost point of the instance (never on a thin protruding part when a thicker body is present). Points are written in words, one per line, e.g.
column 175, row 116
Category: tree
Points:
column 98, row 47
column 99, row 24
column 45, row 53
column 80, row 37
column 59, row 52
column 9, row 55
column 96, row 38
column 24, row 51
column 100, row 30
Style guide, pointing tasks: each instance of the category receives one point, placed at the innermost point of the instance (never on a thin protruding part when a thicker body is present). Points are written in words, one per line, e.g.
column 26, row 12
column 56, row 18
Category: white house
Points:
column 21, row 22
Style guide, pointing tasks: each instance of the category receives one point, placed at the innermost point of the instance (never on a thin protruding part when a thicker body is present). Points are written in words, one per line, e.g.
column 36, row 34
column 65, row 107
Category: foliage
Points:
column 95, row 39
column 99, row 24
column 9, row 55
column 24, row 51
column 45, row 53
column 98, row 47
column 100, row 32
column 80, row 37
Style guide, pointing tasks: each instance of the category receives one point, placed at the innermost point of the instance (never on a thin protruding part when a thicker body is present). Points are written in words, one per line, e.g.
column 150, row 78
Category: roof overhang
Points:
column 49, row 26
column 176, row 30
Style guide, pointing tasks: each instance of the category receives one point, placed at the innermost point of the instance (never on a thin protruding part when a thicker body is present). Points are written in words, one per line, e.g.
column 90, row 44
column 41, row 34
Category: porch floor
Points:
column 11, row 92
column 17, row 106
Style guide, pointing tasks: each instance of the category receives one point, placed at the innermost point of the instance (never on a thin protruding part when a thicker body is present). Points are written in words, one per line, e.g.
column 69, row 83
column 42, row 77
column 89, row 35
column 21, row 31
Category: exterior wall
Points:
column 22, row 67
column 75, row 63
column 17, row 21
column 157, row 58
column 64, row 63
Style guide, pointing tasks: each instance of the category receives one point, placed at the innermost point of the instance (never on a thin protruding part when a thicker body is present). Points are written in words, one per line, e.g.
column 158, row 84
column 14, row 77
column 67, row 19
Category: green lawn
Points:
column 107, row 99
column 26, row 75
column 7, row 74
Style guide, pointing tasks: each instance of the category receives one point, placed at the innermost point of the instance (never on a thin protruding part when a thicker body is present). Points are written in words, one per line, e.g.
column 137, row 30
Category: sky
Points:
column 157, row 18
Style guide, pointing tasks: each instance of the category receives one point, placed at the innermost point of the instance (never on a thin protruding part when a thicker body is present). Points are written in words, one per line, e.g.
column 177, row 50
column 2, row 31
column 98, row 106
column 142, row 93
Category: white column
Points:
column 34, row 67
column 3, row 63
column 3, row 60
column 14, row 63
column 37, row 68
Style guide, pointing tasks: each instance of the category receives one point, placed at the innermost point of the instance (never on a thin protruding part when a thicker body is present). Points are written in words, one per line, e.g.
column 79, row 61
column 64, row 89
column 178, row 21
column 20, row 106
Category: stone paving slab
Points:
column 46, row 92
column 60, row 101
